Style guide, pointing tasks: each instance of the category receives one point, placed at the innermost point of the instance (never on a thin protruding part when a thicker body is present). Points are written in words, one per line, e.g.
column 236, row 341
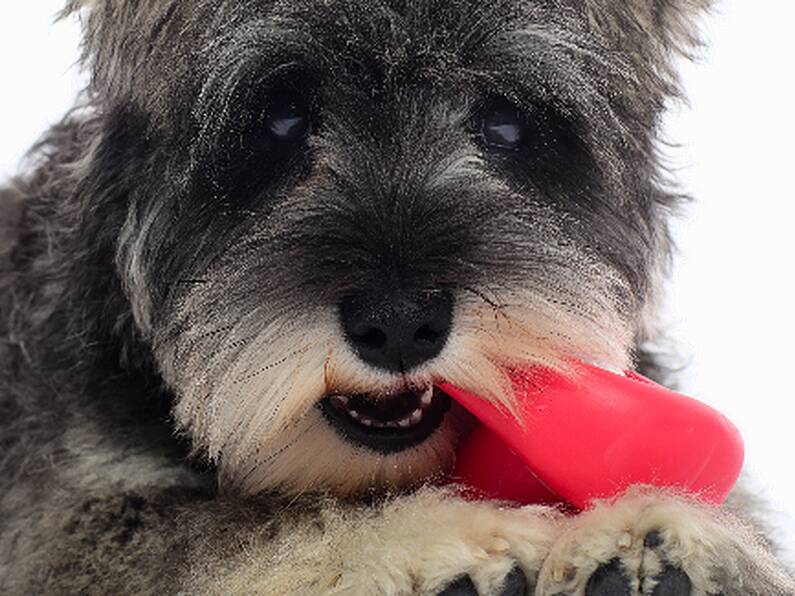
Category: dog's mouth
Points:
column 387, row 424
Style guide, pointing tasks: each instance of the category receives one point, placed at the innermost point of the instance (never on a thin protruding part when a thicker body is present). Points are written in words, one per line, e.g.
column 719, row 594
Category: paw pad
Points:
column 672, row 582
column 609, row 580
column 514, row 584
column 461, row 586
column 653, row 540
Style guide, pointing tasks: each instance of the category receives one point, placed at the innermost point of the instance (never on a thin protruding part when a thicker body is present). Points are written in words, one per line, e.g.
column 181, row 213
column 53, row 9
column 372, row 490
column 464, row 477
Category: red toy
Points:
column 592, row 435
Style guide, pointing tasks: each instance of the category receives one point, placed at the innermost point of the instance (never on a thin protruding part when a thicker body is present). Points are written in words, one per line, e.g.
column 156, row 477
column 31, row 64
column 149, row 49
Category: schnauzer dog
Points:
column 233, row 275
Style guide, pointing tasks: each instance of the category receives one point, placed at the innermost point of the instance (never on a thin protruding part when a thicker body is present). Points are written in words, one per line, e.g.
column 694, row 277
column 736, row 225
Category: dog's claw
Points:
column 609, row 580
column 672, row 582
column 461, row 586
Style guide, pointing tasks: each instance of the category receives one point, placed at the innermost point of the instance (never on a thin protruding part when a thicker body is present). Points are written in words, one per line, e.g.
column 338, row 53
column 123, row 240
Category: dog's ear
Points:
column 134, row 49
column 652, row 30
column 74, row 6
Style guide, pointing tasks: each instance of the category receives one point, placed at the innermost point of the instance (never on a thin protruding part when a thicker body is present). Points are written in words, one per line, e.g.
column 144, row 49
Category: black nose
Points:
column 398, row 331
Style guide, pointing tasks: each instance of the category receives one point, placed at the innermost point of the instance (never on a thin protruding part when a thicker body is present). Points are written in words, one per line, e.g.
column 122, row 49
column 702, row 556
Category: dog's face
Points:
column 330, row 207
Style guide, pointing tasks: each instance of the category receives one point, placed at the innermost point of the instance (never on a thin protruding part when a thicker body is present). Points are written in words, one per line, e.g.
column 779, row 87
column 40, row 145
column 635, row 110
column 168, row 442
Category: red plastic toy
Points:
column 592, row 435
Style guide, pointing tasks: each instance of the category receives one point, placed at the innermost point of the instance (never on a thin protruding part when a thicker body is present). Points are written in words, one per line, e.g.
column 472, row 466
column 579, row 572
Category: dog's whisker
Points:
column 272, row 365
column 483, row 297
column 206, row 334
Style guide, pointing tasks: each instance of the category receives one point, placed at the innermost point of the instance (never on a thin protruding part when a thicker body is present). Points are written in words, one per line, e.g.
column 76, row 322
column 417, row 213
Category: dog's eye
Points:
column 287, row 118
column 503, row 126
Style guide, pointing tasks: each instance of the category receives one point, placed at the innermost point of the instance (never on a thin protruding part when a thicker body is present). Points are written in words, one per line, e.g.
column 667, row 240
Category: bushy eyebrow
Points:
column 543, row 62
column 530, row 60
column 255, row 54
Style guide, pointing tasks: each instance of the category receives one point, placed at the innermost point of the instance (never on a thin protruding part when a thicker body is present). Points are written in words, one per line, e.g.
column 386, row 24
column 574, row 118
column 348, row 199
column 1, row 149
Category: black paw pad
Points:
column 461, row 586
column 653, row 540
column 609, row 580
column 672, row 582
column 515, row 584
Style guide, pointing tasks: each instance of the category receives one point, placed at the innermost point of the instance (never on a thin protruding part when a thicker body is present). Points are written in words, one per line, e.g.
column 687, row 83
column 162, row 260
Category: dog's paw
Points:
column 431, row 543
column 612, row 579
column 436, row 544
column 652, row 545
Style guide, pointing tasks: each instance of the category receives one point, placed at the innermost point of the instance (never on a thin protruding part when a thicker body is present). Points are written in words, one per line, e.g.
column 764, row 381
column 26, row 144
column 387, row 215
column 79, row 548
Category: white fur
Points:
column 413, row 545
column 247, row 390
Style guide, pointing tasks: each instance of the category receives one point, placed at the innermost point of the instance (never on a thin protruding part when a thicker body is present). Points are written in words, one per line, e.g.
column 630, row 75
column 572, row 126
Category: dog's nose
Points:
column 398, row 331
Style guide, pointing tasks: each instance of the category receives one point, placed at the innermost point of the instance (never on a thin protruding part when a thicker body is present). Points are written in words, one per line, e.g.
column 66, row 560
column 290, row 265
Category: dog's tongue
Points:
column 592, row 435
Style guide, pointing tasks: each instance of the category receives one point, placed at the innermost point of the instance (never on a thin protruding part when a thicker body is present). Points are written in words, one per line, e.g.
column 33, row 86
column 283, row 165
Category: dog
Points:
column 234, row 274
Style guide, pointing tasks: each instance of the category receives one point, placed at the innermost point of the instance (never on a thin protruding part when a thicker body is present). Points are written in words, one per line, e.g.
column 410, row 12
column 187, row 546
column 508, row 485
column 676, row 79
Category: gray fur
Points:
column 152, row 261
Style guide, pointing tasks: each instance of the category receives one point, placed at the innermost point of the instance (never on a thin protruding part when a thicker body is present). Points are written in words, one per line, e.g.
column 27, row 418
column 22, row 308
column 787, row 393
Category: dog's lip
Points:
column 387, row 424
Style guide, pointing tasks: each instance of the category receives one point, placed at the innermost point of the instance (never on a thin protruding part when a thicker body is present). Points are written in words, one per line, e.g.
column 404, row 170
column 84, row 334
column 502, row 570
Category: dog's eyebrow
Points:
column 550, row 64
column 531, row 61
column 569, row 69
column 259, row 51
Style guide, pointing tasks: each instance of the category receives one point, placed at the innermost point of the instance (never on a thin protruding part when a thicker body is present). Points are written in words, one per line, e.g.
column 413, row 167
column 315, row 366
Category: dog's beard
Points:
column 248, row 385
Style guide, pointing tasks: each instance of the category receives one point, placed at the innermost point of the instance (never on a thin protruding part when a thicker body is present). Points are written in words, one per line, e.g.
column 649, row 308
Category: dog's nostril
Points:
column 372, row 338
column 426, row 334
column 397, row 331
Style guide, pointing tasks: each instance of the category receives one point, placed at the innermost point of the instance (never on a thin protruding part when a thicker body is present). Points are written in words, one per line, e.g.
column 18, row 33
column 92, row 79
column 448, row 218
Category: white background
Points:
column 731, row 300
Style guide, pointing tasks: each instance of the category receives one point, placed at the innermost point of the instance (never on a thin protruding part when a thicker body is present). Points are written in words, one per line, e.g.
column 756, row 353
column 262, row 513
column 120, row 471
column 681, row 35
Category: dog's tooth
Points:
column 416, row 416
column 354, row 414
column 366, row 421
column 340, row 401
column 405, row 423
column 427, row 397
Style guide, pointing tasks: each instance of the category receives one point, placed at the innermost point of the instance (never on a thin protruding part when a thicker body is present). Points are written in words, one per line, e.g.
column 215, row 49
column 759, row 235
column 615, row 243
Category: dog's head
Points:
column 329, row 207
